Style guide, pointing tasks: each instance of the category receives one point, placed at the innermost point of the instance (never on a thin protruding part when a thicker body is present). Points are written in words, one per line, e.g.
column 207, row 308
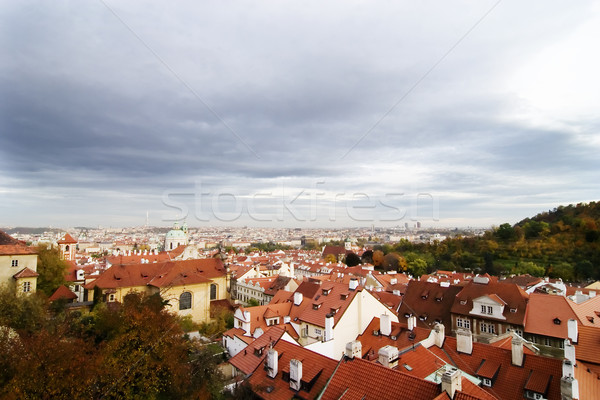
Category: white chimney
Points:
column 396, row 292
column 592, row 293
column 388, row 356
column 517, row 350
column 440, row 334
column 464, row 341
column 393, row 281
column 328, row 328
column 569, row 388
column 286, row 319
column 412, row 322
column 272, row 363
column 572, row 330
column 295, row 374
column 569, row 351
column 354, row 349
column 353, row 283
column 297, row 298
column 451, row 381
column 385, row 324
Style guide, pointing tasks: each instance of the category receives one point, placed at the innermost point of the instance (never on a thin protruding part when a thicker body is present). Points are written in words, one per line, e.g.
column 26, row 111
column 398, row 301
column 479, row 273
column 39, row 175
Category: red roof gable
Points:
column 251, row 357
column 67, row 239
column 548, row 315
column 11, row 246
column 62, row 292
column 25, row 273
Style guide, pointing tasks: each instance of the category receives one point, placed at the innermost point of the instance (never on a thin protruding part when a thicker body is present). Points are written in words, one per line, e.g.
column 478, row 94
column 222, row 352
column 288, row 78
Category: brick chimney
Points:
column 385, row 324
column 272, row 363
column 451, row 381
column 464, row 341
column 353, row 349
column 295, row 374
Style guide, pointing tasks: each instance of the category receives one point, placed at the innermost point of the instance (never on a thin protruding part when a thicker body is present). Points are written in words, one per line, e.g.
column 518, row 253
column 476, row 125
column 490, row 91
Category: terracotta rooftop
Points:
column 587, row 347
column 25, row 273
column 62, row 292
column 159, row 274
column 548, row 315
column 316, row 370
column 12, row 246
column 67, row 239
column 252, row 356
column 512, row 295
column 376, row 382
column 430, row 300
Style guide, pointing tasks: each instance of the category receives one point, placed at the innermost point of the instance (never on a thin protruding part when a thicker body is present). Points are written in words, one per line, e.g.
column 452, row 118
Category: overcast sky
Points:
column 307, row 113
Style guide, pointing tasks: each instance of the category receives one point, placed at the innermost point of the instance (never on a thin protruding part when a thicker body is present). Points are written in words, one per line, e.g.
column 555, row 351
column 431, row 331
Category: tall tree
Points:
column 51, row 268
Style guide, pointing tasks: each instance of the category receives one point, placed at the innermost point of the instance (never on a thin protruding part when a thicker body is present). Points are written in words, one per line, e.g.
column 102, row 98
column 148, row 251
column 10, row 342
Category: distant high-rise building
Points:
column 418, row 225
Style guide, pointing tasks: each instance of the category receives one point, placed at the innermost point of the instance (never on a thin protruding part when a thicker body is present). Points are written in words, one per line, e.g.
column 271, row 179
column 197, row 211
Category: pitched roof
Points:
column 331, row 297
column 510, row 381
column 250, row 358
column 335, row 250
column 316, row 370
column 587, row 347
column 511, row 294
column 25, row 273
column 67, row 239
column 588, row 312
column 169, row 273
column 417, row 301
column 548, row 315
column 12, row 246
column 356, row 378
column 400, row 337
column 62, row 292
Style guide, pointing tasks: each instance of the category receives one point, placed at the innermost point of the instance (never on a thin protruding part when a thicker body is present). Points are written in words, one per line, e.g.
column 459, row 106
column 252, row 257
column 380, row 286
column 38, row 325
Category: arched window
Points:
column 213, row 291
column 67, row 247
column 185, row 301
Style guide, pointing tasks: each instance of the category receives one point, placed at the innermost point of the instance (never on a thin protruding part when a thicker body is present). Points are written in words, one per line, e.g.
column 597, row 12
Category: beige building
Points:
column 190, row 286
column 18, row 265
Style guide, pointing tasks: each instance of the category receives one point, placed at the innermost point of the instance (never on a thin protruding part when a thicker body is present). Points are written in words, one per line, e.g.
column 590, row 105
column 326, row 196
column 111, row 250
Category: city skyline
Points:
column 327, row 115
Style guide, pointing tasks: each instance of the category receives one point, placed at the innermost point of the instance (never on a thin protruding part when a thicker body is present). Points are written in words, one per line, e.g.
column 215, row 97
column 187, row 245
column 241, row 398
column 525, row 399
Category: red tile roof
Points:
column 511, row 294
column 11, row 246
column 62, row 292
column 403, row 337
column 251, row 357
column 328, row 298
column 159, row 274
column 313, row 364
column 413, row 303
column 587, row 347
column 25, row 273
column 360, row 379
column 587, row 311
column 511, row 380
column 588, row 377
column 548, row 315
column 67, row 239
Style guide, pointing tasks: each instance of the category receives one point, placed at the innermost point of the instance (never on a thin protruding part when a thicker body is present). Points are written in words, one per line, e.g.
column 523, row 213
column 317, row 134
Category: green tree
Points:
column 51, row 268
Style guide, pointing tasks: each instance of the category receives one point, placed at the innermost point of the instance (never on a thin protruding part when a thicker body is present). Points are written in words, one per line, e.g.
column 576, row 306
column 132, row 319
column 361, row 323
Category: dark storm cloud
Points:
column 99, row 111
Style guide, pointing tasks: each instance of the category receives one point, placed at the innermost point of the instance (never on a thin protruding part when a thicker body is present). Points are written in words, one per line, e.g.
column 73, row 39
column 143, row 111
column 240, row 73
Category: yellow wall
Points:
column 32, row 288
column 7, row 271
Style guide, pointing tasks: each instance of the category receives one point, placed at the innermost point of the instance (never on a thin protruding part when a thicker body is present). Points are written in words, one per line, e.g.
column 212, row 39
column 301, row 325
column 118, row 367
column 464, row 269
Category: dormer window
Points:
column 513, row 310
column 326, row 292
column 556, row 321
column 487, row 309
column 425, row 294
column 344, row 296
column 316, row 306
column 463, row 302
